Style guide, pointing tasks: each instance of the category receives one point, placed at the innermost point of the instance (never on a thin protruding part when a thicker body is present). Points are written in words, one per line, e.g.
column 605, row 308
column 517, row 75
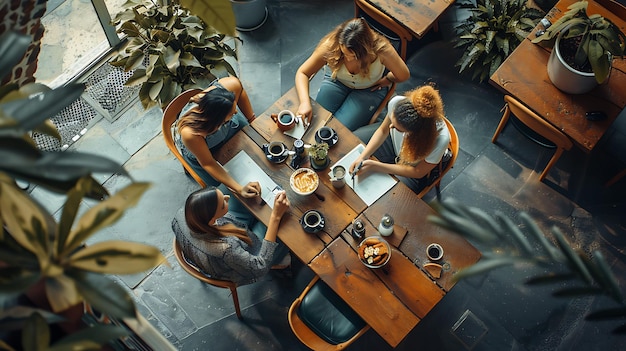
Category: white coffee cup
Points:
column 434, row 251
column 277, row 149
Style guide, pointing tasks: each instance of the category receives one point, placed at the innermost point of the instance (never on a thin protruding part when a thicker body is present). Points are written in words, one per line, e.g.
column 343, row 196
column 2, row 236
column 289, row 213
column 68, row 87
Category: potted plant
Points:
column 318, row 153
column 43, row 257
column 583, row 50
column 169, row 50
column 492, row 31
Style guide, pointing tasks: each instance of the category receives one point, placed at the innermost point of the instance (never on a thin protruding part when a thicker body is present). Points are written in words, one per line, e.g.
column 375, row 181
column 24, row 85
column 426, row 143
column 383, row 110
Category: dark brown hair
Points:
column 213, row 109
column 200, row 207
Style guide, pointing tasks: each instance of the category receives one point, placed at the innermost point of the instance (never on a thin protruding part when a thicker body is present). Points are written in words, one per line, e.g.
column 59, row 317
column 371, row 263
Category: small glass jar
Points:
column 385, row 228
column 358, row 229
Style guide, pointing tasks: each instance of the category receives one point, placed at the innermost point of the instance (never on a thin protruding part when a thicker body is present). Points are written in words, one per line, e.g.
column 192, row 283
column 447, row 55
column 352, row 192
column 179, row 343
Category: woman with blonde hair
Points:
column 360, row 65
column 410, row 141
column 227, row 244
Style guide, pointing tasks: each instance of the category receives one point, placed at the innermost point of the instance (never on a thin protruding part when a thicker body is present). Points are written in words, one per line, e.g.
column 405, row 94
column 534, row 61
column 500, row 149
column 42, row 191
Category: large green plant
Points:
column 510, row 244
column 492, row 31
column 599, row 38
column 169, row 49
column 34, row 247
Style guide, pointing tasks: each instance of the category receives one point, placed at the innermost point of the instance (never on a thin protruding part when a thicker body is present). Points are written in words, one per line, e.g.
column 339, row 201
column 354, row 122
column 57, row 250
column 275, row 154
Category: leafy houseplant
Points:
column 579, row 273
column 587, row 43
column 169, row 49
column 492, row 31
column 36, row 251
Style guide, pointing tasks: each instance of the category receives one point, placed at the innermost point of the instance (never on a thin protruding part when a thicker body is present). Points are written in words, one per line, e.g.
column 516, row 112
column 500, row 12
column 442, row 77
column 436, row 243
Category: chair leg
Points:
column 236, row 302
column 437, row 188
column 505, row 118
column 616, row 178
column 553, row 160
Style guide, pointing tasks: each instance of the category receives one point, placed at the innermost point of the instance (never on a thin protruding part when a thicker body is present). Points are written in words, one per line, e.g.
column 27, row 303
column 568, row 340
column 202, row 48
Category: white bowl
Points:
column 304, row 181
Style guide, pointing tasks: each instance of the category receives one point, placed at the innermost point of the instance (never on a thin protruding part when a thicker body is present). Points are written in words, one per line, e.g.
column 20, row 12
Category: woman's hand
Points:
column 250, row 190
column 281, row 204
column 359, row 161
column 305, row 111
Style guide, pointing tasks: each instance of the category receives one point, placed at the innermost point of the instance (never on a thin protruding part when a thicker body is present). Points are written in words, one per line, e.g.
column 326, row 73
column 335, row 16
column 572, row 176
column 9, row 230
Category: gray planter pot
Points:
column 566, row 78
column 249, row 14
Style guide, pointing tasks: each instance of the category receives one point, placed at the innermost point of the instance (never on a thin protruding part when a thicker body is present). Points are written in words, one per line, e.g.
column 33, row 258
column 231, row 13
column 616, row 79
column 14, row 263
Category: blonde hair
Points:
column 200, row 208
column 356, row 35
column 418, row 115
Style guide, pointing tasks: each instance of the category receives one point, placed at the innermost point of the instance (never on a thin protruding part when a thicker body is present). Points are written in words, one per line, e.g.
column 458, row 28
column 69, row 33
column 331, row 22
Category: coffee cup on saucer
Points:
column 434, row 252
column 326, row 135
column 276, row 151
column 285, row 120
column 312, row 221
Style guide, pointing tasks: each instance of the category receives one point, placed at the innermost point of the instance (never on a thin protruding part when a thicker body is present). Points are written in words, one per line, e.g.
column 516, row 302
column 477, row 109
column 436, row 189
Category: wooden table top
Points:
column 416, row 16
column 524, row 76
column 393, row 299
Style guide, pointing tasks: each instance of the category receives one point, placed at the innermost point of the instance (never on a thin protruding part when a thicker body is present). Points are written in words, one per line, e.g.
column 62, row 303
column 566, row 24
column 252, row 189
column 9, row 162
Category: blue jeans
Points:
column 352, row 107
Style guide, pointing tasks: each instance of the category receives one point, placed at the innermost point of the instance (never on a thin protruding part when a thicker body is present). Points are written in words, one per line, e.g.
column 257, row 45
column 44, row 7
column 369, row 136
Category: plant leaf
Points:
column 13, row 46
column 104, row 214
column 550, row 278
column 533, row 229
column 577, row 291
column 484, row 266
column 104, row 294
column 36, row 334
column 117, row 257
column 574, row 260
column 610, row 313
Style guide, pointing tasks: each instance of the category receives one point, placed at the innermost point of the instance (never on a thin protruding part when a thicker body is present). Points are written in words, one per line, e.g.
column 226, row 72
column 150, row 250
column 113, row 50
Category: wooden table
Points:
column 524, row 76
column 418, row 16
column 392, row 299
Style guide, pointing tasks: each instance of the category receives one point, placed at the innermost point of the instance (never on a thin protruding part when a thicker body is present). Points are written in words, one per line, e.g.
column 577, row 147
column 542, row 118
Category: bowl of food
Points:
column 304, row 181
column 374, row 252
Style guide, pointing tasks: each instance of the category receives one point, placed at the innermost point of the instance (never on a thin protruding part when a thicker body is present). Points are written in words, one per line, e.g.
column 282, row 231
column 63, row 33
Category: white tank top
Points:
column 359, row 81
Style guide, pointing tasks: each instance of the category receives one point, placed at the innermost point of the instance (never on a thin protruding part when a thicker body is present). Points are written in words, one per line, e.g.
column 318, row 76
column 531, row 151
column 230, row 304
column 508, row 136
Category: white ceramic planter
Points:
column 566, row 78
column 249, row 14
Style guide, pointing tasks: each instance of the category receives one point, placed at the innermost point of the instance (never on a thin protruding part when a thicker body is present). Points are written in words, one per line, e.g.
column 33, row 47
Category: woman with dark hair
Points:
column 228, row 245
column 410, row 141
column 360, row 65
column 206, row 123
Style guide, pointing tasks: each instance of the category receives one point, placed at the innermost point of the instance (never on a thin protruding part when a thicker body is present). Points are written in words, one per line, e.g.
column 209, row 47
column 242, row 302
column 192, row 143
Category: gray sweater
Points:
column 227, row 258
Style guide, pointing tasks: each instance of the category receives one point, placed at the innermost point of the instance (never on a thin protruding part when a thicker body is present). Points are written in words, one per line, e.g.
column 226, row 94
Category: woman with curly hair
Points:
column 227, row 244
column 359, row 64
column 410, row 141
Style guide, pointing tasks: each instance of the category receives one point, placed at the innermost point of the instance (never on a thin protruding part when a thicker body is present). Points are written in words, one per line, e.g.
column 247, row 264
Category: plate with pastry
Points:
column 374, row 251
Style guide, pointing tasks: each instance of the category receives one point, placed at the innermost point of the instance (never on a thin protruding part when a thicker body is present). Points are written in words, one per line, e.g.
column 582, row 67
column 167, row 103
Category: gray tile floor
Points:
column 502, row 313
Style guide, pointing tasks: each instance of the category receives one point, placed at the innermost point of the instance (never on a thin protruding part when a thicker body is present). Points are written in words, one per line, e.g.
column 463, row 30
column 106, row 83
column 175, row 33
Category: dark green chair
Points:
column 322, row 320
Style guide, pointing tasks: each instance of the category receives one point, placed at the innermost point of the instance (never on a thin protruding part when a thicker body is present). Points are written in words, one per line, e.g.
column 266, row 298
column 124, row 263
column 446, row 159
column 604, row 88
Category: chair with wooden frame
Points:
column 538, row 125
column 322, row 321
column 376, row 18
column 454, row 148
column 194, row 272
column 170, row 115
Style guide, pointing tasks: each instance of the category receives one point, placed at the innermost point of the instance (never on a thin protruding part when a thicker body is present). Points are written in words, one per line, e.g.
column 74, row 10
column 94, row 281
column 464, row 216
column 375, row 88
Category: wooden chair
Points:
column 454, row 148
column 170, row 115
column 538, row 125
column 377, row 19
column 322, row 321
column 194, row 272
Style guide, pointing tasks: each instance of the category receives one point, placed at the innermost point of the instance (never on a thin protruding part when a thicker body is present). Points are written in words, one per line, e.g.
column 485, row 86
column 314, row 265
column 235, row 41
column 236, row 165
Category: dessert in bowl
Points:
column 304, row 181
column 374, row 251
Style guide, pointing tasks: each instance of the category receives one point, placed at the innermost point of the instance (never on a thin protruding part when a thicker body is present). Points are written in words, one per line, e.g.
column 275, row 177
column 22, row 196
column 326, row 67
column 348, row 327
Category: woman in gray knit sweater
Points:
column 228, row 243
